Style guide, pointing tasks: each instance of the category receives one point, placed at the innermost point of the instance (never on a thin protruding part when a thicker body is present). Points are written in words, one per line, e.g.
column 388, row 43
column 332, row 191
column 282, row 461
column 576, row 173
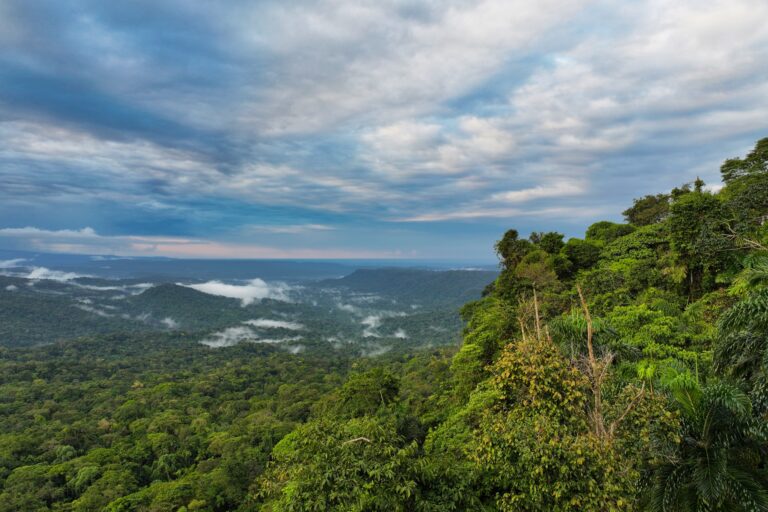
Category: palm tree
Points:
column 718, row 464
column 742, row 350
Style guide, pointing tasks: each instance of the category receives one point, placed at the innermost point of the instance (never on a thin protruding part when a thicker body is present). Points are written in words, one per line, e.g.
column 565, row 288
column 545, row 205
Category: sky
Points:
column 361, row 129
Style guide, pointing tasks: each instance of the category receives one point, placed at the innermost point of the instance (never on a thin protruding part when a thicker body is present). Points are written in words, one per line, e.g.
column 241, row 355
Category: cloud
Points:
column 274, row 324
column 496, row 206
column 170, row 323
column 558, row 189
column 52, row 275
column 229, row 337
column 30, row 232
column 95, row 311
column 373, row 322
column 359, row 116
column 480, row 212
column 350, row 308
column 286, row 229
column 256, row 289
column 274, row 341
column 133, row 289
column 12, row 263
column 11, row 288
column 374, row 350
column 234, row 335
column 87, row 241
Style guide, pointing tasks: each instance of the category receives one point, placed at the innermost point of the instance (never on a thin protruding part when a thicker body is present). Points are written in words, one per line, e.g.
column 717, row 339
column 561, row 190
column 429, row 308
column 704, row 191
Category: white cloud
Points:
column 291, row 229
column 393, row 109
column 87, row 241
column 407, row 149
column 170, row 323
column 349, row 308
column 256, row 289
column 28, row 232
column 275, row 341
column 274, row 324
column 401, row 334
column 11, row 263
column 11, row 288
column 234, row 335
column 230, row 337
column 95, row 311
column 133, row 289
column 373, row 322
column 52, row 275
column 340, row 59
column 593, row 113
column 558, row 189
column 481, row 212
column 374, row 350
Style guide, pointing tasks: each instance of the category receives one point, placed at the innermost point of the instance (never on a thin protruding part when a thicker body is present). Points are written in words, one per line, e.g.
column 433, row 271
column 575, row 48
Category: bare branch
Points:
column 742, row 241
column 522, row 327
column 357, row 440
column 536, row 312
column 631, row 406
column 588, row 317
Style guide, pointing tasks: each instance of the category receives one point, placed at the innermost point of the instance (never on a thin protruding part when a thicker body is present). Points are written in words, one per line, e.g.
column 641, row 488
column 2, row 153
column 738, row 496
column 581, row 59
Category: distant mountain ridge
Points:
column 425, row 286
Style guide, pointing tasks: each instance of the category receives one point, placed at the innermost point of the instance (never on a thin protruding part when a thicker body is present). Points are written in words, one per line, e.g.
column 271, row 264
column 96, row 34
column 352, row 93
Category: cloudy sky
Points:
column 368, row 129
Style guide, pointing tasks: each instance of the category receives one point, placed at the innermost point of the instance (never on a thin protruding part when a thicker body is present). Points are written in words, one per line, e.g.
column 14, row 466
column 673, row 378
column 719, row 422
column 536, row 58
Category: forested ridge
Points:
column 622, row 371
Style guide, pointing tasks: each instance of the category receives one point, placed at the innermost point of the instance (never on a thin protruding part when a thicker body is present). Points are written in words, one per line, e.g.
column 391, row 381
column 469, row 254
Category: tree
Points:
column 648, row 210
column 356, row 465
column 582, row 253
column 746, row 191
column 536, row 441
column 698, row 234
column 511, row 249
column 550, row 242
column 604, row 232
column 756, row 162
column 364, row 393
column 718, row 464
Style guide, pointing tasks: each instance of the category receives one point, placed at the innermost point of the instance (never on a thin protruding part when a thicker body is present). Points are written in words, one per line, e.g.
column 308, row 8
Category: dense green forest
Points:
column 417, row 306
column 623, row 371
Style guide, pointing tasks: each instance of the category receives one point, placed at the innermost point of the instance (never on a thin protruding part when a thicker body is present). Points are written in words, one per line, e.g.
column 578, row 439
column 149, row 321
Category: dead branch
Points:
column 588, row 317
column 522, row 327
column 596, row 373
column 357, row 440
column 742, row 241
column 536, row 312
column 631, row 406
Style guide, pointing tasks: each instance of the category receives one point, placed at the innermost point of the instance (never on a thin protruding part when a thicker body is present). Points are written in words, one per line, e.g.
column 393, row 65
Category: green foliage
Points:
column 537, row 441
column 364, row 393
column 698, row 235
column 582, row 253
column 357, row 465
column 511, row 249
column 748, row 314
column 569, row 332
column 756, row 162
column 648, row 210
column 717, row 465
column 550, row 242
column 489, row 325
column 605, row 232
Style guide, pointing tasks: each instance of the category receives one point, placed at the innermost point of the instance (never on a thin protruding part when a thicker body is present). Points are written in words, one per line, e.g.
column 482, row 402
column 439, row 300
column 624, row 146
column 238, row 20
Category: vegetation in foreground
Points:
column 622, row 371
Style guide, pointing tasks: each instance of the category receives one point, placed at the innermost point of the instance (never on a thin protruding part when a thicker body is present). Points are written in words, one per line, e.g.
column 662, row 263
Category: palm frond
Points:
column 749, row 314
